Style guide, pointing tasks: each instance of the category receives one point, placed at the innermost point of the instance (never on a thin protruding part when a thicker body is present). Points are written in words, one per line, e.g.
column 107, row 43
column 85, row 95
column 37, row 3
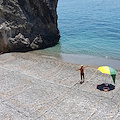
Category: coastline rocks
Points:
column 37, row 42
column 28, row 24
column 19, row 42
column 4, row 42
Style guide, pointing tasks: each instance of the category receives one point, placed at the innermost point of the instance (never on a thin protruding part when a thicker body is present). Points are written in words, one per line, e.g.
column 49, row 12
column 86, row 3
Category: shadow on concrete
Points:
column 104, row 87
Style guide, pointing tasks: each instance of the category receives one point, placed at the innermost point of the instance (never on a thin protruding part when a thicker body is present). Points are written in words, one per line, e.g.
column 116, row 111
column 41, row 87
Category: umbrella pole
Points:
column 105, row 78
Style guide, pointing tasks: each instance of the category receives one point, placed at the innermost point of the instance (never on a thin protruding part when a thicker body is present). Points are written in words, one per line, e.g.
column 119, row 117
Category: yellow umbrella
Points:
column 108, row 70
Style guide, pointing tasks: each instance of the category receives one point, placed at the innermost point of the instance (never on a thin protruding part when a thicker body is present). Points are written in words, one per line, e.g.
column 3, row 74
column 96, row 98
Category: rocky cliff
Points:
column 28, row 24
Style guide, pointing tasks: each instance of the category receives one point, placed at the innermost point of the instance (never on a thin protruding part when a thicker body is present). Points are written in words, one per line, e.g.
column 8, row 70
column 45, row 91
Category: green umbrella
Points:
column 108, row 70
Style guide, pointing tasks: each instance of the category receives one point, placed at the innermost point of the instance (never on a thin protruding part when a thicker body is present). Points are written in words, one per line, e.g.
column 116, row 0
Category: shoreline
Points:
column 95, row 61
column 91, row 60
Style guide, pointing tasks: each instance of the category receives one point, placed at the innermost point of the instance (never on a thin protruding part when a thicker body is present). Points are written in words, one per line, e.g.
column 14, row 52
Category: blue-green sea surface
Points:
column 89, row 27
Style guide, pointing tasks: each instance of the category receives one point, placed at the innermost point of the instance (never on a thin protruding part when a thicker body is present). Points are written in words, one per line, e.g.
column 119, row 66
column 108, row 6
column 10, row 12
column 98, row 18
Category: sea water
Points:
column 90, row 28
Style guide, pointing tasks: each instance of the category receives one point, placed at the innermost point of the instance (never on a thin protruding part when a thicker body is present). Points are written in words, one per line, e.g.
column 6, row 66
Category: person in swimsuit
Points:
column 82, row 72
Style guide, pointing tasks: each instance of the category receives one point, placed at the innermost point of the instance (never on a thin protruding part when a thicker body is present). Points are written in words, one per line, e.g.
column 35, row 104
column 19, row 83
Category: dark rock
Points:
column 19, row 42
column 36, row 20
column 37, row 42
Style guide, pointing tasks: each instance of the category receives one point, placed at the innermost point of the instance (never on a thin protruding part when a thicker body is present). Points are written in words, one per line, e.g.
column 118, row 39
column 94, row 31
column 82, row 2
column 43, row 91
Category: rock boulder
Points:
column 28, row 24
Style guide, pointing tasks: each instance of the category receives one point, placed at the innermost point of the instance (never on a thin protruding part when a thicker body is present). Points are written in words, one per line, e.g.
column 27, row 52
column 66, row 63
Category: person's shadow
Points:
column 103, row 87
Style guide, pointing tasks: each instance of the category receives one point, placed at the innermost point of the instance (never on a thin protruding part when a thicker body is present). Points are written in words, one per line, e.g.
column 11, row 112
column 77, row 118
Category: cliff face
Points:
column 28, row 24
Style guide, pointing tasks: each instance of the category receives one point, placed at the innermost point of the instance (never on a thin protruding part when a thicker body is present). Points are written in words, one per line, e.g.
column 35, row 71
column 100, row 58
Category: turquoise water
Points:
column 89, row 27
column 90, row 32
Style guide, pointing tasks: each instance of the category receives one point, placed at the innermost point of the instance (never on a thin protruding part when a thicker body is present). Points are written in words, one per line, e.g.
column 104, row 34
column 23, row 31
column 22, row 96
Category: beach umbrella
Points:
column 108, row 70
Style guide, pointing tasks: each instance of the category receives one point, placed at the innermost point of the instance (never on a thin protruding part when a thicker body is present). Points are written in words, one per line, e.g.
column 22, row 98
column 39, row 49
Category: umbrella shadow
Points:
column 103, row 87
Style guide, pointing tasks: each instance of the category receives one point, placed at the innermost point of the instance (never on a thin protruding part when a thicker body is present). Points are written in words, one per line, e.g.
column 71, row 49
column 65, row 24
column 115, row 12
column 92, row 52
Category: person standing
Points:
column 82, row 72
